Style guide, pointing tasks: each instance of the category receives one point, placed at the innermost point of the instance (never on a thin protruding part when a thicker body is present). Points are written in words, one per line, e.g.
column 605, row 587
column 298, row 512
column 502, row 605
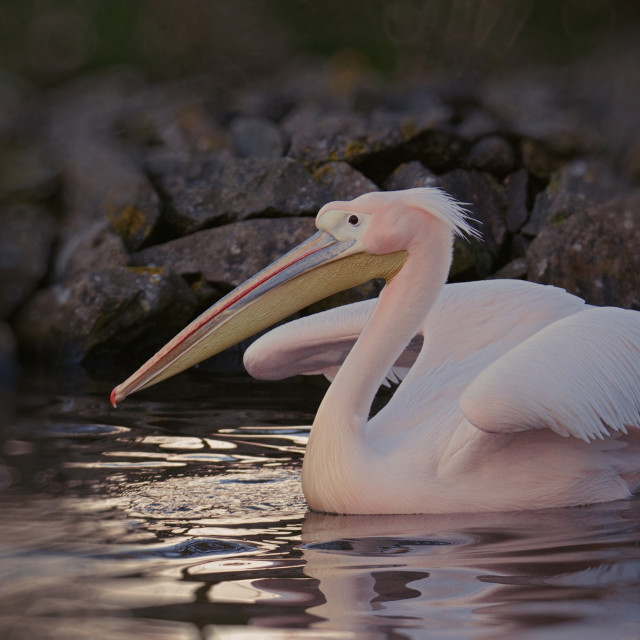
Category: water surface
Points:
column 180, row 515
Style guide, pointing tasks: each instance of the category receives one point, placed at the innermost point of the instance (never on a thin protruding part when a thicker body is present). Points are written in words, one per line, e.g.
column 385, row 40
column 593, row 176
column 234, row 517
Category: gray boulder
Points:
column 102, row 176
column 222, row 189
column 103, row 313
column 103, row 181
column 226, row 256
column 409, row 175
column 92, row 249
column 217, row 260
column 595, row 253
column 481, row 193
column 577, row 186
column 342, row 182
column 476, row 123
column 516, row 191
column 179, row 116
column 493, row 154
column 373, row 141
column 535, row 108
column 484, row 196
column 485, row 199
column 254, row 137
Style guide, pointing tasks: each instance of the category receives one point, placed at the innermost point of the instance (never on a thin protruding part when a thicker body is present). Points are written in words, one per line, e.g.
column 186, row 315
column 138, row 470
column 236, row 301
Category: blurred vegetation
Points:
column 48, row 41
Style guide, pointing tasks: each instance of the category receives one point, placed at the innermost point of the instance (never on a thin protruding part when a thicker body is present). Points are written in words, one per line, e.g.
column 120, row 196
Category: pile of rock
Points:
column 127, row 208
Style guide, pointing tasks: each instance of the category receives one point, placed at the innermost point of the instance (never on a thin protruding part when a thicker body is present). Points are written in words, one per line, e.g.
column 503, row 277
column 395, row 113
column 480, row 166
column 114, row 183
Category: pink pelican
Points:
column 513, row 395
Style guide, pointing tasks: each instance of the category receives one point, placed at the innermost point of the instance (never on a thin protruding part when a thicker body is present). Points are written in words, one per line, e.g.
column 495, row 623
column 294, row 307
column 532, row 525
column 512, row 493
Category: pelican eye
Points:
column 353, row 220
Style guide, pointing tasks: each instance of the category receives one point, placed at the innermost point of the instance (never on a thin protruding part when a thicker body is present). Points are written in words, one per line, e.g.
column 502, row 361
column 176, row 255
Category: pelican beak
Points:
column 315, row 269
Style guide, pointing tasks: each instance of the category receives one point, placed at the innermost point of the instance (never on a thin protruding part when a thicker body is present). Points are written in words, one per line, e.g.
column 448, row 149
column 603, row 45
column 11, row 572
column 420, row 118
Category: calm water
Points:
column 180, row 515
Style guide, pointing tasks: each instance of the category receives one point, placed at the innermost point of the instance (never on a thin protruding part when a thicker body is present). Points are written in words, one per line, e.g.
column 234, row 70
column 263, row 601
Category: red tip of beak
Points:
column 113, row 398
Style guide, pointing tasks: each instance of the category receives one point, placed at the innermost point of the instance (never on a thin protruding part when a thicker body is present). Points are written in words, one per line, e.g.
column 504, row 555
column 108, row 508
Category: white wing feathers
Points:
column 480, row 312
column 318, row 344
column 579, row 376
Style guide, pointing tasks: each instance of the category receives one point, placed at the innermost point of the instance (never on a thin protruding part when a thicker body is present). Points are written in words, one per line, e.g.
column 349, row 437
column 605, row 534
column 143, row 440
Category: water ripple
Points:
column 191, row 549
column 71, row 430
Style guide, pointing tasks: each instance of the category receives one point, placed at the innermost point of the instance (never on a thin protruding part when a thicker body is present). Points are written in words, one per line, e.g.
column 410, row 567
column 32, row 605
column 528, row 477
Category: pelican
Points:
column 512, row 395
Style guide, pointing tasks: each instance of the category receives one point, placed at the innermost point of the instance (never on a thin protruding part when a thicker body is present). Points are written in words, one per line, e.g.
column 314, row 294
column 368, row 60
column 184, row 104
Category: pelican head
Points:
column 354, row 244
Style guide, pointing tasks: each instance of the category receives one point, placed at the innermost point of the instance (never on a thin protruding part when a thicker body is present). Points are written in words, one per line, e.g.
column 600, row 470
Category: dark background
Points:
column 47, row 42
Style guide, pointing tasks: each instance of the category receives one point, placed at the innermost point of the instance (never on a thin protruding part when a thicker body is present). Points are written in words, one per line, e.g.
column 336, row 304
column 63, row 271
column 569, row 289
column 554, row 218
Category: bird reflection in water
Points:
column 508, row 571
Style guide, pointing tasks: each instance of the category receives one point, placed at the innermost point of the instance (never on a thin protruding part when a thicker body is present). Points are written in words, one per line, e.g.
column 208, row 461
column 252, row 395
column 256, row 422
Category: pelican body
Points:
column 512, row 395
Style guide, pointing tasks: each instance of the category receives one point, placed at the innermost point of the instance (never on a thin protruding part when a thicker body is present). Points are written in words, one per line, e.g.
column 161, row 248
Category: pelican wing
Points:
column 579, row 376
column 318, row 344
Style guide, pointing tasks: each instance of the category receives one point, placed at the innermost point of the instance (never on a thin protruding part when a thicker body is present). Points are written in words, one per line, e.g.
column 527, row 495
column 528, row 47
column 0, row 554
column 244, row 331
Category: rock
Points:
column 411, row 98
column 605, row 88
column 104, row 313
column 471, row 261
column 514, row 270
column 476, row 124
column 256, row 138
column 92, row 249
column 225, row 189
column 317, row 136
column 28, row 233
column 265, row 99
column 437, row 149
column 516, row 191
column 219, row 259
column 576, row 187
column 205, row 293
column 342, row 181
column 102, row 181
column 571, row 110
column 537, row 108
column 518, row 246
column 135, row 213
column 226, row 256
column 472, row 258
column 410, row 175
column 485, row 198
column 178, row 116
column 538, row 160
column 492, row 154
column 594, row 253
column 374, row 143
column 101, row 174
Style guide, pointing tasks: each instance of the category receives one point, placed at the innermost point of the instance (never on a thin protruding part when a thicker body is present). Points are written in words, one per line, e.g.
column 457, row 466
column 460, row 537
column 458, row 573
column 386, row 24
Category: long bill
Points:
column 315, row 269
